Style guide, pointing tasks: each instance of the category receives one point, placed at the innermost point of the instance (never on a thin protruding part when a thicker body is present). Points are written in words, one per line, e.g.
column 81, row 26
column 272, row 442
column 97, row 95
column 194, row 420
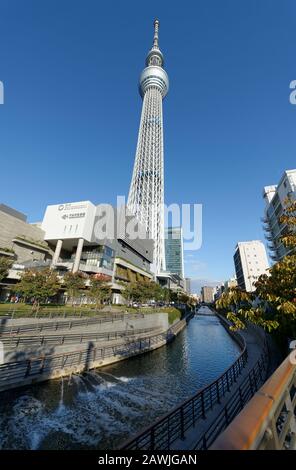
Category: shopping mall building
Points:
column 98, row 240
column 79, row 236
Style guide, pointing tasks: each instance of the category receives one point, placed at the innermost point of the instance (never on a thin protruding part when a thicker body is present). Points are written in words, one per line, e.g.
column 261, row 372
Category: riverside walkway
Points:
column 197, row 422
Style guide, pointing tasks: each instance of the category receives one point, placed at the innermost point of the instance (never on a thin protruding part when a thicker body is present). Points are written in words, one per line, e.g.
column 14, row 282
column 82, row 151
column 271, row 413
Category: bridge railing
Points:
column 268, row 421
column 173, row 426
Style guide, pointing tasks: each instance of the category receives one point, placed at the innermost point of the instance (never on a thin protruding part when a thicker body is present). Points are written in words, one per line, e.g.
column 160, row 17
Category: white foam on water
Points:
column 104, row 406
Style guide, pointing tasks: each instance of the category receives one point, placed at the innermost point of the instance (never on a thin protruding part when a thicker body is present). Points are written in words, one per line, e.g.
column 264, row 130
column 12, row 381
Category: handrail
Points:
column 69, row 324
column 16, row 372
column 83, row 314
column 268, row 421
column 172, row 426
column 14, row 341
column 236, row 403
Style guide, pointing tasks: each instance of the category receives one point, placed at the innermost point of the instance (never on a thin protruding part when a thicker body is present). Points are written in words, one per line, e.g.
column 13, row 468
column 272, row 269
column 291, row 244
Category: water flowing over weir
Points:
column 102, row 408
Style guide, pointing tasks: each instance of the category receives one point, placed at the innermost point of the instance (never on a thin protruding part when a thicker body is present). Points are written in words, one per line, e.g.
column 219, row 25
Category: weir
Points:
column 98, row 409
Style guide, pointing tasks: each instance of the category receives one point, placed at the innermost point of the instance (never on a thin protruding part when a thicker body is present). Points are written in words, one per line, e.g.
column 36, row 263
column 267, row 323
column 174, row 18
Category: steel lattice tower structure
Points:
column 146, row 195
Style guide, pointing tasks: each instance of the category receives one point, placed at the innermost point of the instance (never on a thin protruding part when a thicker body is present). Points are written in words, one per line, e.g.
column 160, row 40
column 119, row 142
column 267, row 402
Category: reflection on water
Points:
column 100, row 409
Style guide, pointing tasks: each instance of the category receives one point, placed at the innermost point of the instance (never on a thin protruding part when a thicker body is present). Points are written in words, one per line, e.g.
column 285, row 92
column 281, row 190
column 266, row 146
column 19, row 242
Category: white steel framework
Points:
column 146, row 195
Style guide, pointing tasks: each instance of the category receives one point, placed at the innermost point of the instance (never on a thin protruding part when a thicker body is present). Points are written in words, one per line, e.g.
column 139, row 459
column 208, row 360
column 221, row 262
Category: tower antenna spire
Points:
column 155, row 38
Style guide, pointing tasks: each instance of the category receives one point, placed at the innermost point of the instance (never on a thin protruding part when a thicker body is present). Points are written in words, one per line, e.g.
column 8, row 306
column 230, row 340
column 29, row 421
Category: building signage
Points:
column 69, row 221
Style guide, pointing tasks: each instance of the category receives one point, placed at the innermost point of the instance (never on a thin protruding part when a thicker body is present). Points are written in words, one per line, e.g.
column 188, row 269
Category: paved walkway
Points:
column 254, row 340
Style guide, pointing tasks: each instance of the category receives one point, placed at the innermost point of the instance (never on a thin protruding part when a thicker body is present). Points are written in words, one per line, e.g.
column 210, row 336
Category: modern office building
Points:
column 174, row 251
column 146, row 195
column 97, row 240
column 250, row 261
column 275, row 197
column 188, row 285
column 207, row 294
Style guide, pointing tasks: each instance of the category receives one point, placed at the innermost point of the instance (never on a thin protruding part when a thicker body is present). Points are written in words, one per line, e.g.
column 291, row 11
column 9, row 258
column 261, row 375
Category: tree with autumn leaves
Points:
column 38, row 286
column 273, row 304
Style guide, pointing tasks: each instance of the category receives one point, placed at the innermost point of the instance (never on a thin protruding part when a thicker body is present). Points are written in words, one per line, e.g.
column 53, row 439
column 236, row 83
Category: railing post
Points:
column 203, row 413
column 182, row 422
column 241, row 398
column 204, row 442
column 28, row 369
column 227, row 380
column 251, row 384
column 255, row 380
column 42, row 365
column 226, row 415
column 152, row 439
column 218, row 392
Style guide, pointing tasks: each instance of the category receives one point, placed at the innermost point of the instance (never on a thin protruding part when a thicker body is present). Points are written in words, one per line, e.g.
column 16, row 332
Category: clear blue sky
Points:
column 69, row 124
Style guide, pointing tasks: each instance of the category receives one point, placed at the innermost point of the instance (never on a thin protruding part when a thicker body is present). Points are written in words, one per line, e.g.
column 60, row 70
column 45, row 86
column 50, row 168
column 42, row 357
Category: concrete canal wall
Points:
column 64, row 361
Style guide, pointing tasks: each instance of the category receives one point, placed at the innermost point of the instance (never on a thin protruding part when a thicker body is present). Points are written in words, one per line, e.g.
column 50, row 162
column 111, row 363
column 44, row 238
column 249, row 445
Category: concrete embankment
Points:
column 43, row 338
column 67, row 360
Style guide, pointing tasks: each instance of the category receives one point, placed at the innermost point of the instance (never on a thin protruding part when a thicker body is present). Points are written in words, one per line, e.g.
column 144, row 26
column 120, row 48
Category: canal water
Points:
column 102, row 408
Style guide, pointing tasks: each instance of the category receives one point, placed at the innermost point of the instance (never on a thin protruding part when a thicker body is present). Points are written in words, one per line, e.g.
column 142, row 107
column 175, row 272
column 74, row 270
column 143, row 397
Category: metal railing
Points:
column 236, row 403
column 67, row 324
column 14, row 341
column 173, row 426
column 268, row 421
column 15, row 313
column 13, row 374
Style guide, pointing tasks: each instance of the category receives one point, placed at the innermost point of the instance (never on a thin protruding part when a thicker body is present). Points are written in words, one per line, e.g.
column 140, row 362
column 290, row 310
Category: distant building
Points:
column 22, row 242
column 250, row 260
column 174, row 251
column 230, row 283
column 275, row 197
column 218, row 291
column 187, row 285
column 19, row 239
column 207, row 294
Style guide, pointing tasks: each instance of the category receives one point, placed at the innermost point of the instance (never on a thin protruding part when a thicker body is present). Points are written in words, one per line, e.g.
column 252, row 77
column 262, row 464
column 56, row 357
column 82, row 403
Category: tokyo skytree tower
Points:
column 146, row 195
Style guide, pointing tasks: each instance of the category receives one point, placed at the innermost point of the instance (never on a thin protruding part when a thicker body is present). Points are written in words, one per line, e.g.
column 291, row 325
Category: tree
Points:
column 99, row 291
column 273, row 304
column 74, row 283
column 38, row 285
column 5, row 265
column 142, row 291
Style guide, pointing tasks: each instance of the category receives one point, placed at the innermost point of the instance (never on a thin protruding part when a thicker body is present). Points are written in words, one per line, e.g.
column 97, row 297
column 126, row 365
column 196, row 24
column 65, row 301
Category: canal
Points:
column 102, row 408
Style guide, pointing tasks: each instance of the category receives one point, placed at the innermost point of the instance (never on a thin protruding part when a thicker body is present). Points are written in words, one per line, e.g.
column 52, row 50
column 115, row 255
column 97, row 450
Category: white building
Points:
column 250, row 260
column 275, row 197
column 98, row 240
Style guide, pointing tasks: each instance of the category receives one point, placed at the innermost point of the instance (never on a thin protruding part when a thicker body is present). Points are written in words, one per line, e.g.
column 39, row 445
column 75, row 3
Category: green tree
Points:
column 74, row 283
column 5, row 265
column 99, row 291
column 273, row 304
column 141, row 291
column 38, row 285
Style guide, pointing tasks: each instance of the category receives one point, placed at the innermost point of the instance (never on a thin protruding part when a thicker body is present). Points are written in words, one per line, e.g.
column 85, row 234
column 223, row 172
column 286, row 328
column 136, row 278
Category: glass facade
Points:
column 174, row 250
column 101, row 256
